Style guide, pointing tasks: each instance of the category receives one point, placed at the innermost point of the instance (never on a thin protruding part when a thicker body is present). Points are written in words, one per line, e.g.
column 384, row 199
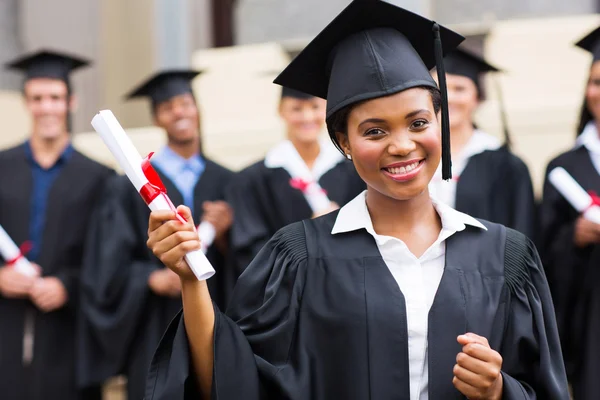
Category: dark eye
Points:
column 595, row 82
column 419, row 124
column 374, row 132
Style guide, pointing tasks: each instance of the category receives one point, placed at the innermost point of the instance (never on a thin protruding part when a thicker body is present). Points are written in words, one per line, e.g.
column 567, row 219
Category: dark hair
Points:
column 585, row 116
column 338, row 121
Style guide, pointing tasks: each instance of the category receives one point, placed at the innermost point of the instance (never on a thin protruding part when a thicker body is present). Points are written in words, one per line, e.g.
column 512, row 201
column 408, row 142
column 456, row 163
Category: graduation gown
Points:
column 573, row 274
column 51, row 374
column 496, row 186
column 123, row 320
column 264, row 202
column 320, row 316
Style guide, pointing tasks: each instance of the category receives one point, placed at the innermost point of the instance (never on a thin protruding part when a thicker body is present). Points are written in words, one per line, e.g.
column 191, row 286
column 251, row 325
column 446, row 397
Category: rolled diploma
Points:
column 574, row 193
column 317, row 198
column 130, row 160
column 207, row 233
column 10, row 251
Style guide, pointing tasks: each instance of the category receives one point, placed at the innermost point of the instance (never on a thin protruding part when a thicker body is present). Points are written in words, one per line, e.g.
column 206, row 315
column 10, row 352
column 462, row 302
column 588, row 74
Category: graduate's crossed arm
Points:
column 47, row 293
column 477, row 370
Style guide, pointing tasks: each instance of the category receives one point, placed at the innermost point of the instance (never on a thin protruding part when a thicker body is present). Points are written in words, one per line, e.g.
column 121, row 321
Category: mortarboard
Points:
column 373, row 49
column 47, row 64
column 165, row 85
column 591, row 43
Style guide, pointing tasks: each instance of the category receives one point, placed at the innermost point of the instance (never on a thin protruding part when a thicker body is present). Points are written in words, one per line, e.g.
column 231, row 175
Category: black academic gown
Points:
column 123, row 319
column 496, row 186
column 574, row 275
column 320, row 316
column 264, row 202
column 51, row 374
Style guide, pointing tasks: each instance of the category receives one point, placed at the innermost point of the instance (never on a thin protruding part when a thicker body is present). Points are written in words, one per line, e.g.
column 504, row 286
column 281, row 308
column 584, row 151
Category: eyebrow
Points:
column 382, row 121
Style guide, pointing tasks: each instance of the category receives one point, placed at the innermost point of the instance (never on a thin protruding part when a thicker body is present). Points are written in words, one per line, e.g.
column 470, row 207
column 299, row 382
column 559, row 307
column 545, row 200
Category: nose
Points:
column 401, row 144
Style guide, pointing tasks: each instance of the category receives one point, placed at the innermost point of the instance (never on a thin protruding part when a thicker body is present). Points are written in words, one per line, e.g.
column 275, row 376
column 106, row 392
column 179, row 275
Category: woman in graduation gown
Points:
column 488, row 181
column 129, row 297
column 268, row 195
column 571, row 243
column 394, row 296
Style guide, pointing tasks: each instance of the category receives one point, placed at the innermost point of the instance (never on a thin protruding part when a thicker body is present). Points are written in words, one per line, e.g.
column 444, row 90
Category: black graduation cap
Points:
column 468, row 64
column 591, row 43
column 465, row 63
column 165, row 85
column 373, row 49
column 47, row 64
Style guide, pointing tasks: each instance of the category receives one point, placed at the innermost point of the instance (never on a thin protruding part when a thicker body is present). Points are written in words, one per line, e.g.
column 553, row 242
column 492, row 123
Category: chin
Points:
column 307, row 137
column 49, row 135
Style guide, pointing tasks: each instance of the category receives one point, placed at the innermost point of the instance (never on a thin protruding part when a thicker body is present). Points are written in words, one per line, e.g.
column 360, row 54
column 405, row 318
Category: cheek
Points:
column 592, row 93
column 367, row 153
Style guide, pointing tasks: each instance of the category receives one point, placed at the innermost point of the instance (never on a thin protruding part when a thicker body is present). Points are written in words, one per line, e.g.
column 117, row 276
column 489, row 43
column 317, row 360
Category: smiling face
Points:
column 394, row 142
column 180, row 118
column 304, row 118
column 49, row 104
column 592, row 92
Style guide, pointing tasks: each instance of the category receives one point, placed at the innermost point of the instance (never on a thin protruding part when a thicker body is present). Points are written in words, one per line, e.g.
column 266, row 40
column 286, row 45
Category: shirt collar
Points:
column 63, row 158
column 169, row 160
column 589, row 138
column 284, row 155
column 355, row 215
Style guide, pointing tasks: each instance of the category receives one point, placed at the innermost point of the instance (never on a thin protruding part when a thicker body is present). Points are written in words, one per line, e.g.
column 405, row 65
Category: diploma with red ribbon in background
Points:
column 315, row 195
column 145, row 179
column 587, row 203
column 14, row 256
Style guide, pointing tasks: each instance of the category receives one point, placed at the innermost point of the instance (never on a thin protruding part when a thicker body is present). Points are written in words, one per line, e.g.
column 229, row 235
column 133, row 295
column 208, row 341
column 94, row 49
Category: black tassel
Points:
column 503, row 118
column 441, row 73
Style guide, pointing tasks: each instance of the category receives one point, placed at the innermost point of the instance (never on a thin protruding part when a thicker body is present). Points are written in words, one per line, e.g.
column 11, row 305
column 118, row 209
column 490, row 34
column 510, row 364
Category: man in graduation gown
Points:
column 130, row 297
column 47, row 196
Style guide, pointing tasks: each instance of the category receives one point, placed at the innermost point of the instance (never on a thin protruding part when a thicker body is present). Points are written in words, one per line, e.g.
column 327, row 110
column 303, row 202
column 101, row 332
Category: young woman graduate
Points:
column 571, row 244
column 488, row 181
column 394, row 296
column 268, row 195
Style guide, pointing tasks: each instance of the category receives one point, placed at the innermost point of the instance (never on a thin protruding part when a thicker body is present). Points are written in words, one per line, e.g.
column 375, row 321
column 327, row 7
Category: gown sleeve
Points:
column 533, row 366
column 253, row 340
column 114, row 286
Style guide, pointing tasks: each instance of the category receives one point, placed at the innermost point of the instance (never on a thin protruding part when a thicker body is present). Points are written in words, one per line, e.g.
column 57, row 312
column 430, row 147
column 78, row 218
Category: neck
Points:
column 185, row 150
column 47, row 151
column 460, row 136
column 597, row 123
column 414, row 221
column 309, row 151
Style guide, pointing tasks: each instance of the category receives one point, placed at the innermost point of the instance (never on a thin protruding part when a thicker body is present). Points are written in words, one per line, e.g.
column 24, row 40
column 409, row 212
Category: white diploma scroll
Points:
column 574, row 194
column 207, row 233
column 12, row 255
column 130, row 160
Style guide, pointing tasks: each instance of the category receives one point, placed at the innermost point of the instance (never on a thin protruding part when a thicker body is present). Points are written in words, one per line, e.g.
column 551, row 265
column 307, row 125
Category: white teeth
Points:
column 404, row 169
column 182, row 124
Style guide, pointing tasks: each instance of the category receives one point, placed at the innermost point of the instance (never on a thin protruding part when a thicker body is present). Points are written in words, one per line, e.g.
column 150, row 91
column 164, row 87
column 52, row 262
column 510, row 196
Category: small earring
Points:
column 348, row 156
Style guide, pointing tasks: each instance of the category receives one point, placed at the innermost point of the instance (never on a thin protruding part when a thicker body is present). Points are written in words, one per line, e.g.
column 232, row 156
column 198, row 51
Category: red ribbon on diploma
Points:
column 23, row 250
column 595, row 200
column 302, row 185
column 155, row 186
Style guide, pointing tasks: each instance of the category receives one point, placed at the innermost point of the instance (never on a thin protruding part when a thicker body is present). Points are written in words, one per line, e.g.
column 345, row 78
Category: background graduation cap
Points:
column 468, row 64
column 590, row 43
column 47, row 64
column 165, row 85
column 286, row 91
column 373, row 49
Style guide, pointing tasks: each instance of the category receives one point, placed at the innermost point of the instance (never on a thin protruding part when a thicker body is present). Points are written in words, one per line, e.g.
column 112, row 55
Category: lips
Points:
column 405, row 171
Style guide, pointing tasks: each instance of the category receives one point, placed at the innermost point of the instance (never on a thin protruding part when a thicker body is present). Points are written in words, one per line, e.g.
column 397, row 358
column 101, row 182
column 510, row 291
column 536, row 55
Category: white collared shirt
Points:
column 478, row 143
column 590, row 139
column 418, row 278
column 284, row 155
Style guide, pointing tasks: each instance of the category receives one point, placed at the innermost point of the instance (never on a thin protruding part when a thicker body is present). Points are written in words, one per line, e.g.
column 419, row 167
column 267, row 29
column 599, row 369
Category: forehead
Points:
column 396, row 104
column 45, row 86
